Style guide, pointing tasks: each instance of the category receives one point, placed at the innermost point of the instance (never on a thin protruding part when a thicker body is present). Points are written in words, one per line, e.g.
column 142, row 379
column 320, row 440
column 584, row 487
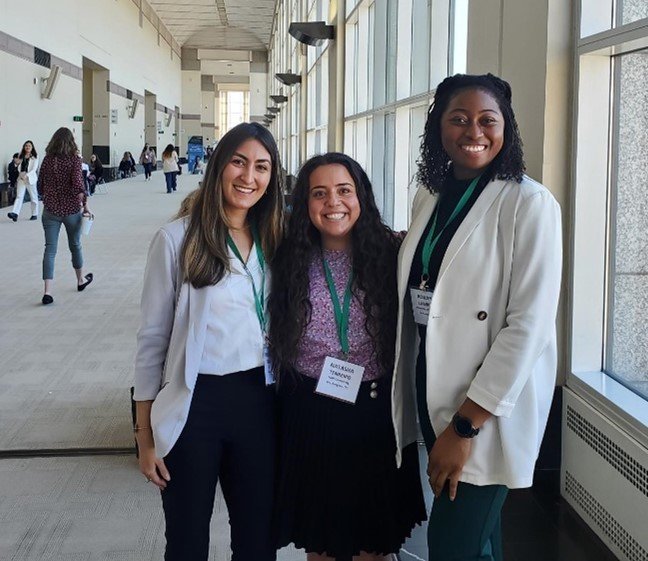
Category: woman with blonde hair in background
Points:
column 170, row 167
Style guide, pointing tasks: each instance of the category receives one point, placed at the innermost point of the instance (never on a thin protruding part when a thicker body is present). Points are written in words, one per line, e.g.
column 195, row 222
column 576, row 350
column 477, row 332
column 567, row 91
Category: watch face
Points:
column 463, row 426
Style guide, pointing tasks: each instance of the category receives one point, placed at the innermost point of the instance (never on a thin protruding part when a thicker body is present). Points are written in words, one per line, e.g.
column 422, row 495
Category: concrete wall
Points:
column 106, row 32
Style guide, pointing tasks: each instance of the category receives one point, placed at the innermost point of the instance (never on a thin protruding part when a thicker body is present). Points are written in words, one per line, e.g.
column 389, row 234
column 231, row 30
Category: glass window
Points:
column 420, row 66
column 627, row 345
column 632, row 10
column 392, row 39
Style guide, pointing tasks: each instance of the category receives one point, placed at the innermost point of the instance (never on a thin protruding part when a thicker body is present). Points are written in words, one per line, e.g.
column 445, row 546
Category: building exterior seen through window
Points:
column 627, row 343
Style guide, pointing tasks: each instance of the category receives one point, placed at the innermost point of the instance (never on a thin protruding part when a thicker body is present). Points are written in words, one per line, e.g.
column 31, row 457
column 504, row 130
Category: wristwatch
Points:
column 463, row 426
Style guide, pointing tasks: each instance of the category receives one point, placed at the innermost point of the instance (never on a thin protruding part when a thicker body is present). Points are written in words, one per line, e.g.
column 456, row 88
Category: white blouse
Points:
column 234, row 340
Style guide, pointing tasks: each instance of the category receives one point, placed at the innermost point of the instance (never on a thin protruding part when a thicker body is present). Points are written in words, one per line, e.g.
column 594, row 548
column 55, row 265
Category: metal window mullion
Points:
column 607, row 350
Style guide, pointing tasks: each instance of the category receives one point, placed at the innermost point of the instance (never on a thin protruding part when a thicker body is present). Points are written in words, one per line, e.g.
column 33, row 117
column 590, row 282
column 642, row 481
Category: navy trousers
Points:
column 229, row 437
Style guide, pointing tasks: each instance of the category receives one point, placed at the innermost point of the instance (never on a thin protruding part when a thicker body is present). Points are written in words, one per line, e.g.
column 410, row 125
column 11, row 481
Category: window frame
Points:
column 594, row 149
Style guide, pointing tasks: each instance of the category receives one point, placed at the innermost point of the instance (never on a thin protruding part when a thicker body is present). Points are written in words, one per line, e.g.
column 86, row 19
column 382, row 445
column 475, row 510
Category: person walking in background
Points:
column 147, row 158
column 170, row 167
column 13, row 171
column 96, row 173
column 64, row 202
column 333, row 309
column 27, row 180
column 204, row 412
column 479, row 281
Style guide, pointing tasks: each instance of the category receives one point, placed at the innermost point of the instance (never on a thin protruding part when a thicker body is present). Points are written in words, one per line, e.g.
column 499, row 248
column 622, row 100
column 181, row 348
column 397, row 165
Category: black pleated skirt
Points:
column 339, row 491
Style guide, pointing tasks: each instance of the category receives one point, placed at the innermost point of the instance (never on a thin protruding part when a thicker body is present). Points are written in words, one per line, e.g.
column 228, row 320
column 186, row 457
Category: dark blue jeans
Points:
column 229, row 437
column 171, row 180
column 52, row 227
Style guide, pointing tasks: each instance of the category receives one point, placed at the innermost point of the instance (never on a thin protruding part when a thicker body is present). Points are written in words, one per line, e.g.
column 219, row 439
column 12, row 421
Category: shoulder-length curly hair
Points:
column 374, row 251
column 434, row 162
column 204, row 257
column 62, row 144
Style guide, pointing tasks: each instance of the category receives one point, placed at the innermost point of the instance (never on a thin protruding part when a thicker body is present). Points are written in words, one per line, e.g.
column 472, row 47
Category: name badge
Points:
column 267, row 366
column 421, row 300
column 340, row 379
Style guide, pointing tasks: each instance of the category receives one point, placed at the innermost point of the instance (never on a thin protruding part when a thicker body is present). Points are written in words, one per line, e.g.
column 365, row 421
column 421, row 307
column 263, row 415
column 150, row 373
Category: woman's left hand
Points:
column 446, row 461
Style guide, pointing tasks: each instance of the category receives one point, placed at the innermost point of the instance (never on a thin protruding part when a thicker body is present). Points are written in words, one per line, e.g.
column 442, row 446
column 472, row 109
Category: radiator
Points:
column 604, row 477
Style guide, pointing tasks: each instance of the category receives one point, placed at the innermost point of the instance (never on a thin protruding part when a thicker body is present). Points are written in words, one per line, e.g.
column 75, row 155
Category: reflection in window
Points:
column 627, row 350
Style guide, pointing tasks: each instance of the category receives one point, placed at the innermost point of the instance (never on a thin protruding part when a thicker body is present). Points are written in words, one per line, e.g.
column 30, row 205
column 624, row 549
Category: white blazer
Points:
column 170, row 339
column 505, row 259
column 32, row 172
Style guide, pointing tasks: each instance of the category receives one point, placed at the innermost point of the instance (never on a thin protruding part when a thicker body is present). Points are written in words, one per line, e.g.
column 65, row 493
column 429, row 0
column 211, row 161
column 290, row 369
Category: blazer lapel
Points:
column 423, row 214
column 473, row 218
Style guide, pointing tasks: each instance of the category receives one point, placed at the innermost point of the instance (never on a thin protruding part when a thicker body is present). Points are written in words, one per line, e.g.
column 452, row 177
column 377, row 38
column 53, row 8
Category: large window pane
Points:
column 633, row 10
column 627, row 351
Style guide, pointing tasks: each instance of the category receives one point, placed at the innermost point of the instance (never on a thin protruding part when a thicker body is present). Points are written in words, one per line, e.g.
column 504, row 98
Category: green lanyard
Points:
column 259, row 297
column 431, row 240
column 341, row 313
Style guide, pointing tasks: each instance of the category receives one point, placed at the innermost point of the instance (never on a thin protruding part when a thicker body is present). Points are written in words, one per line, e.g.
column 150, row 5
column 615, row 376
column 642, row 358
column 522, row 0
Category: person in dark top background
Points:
column 479, row 281
column 13, row 171
column 64, row 202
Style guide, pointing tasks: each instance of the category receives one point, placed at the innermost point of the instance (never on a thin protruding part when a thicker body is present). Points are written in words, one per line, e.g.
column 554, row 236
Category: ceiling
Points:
column 218, row 24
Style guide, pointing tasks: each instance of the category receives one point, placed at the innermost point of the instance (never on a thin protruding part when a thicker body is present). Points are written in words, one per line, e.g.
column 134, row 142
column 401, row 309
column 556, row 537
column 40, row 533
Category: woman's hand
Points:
column 151, row 467
column 446, row 461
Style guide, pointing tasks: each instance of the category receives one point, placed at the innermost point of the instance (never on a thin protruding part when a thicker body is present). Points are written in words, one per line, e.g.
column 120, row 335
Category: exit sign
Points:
column 78, row 118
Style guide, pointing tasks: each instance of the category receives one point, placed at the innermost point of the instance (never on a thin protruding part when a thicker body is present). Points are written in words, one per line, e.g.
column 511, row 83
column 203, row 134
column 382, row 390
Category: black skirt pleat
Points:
column 339, row 491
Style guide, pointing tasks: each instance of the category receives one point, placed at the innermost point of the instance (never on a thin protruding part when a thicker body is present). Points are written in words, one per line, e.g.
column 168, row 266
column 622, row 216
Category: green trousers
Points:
column 468, row 528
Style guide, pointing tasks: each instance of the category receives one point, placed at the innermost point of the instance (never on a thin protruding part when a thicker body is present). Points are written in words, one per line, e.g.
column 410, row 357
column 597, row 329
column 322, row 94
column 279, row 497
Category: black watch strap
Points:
column 463, row 426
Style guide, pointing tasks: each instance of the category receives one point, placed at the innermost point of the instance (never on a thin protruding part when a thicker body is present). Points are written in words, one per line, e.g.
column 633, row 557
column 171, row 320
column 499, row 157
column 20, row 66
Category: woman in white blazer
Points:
column 27, row 180
column 205, row 411
column 479, row 279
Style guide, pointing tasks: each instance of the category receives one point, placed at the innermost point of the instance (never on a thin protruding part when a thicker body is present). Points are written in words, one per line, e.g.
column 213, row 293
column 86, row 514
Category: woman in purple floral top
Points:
column 332, row 332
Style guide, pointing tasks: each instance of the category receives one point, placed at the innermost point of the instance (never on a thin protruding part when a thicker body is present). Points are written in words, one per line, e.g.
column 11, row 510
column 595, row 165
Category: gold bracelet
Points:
column 135, row 429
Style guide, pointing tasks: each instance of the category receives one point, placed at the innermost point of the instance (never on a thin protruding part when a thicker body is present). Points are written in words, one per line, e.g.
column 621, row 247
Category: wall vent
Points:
column 604, row 520
column 42, row 58
column 604, row 477
column 625, row 464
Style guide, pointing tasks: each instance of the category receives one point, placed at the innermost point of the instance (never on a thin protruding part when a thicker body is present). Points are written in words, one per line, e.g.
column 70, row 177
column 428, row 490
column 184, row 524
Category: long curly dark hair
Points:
column 374, row 247
column 434, row 162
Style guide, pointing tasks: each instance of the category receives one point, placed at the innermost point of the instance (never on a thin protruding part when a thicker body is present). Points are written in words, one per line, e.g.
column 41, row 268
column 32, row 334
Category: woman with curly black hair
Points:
column 479, row 279
column 332, row 329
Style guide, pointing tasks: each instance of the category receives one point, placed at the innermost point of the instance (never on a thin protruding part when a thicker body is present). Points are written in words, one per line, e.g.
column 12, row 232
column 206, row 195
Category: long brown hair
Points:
column 62, row 144
column 168, row 151
column 204, row 258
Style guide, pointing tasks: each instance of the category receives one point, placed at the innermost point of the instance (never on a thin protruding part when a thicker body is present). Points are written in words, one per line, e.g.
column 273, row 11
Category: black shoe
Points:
column 13, row 216
column 47, row 299
column 34, row 217
column 88, row 279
